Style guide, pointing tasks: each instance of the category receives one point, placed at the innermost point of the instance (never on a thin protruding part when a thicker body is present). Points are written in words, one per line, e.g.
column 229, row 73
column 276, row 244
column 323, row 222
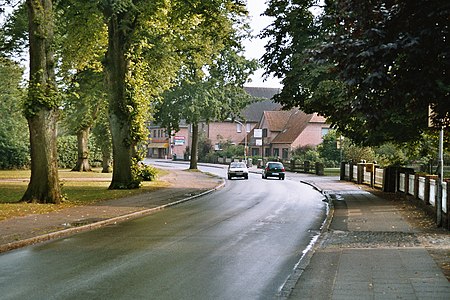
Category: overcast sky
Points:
column 255, row 47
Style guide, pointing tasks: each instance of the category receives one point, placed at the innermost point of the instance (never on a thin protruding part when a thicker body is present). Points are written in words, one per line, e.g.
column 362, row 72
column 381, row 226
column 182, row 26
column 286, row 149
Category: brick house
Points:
column 162, row 146
column 283, row 130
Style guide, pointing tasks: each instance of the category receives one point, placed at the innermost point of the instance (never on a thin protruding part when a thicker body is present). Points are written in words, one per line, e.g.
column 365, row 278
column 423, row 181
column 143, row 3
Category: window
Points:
column 238, row 128
column 325, row 131
column 276, row 152
column 248, row 127
column 255, row 151
column 285, row 153
column 267, row 152
column 264, row 132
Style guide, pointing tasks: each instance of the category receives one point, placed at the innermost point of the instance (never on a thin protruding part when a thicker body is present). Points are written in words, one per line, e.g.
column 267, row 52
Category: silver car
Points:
column 237, row 169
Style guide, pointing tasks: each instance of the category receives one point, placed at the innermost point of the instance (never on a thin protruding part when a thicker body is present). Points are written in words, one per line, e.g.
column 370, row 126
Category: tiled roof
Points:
column 297, row 122
column 263, row 102
column 261, row 92
column 254, row 111
column 276, row 120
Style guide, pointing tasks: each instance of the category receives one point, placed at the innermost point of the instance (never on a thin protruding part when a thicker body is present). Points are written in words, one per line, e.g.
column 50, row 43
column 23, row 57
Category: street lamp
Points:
column 245, row 140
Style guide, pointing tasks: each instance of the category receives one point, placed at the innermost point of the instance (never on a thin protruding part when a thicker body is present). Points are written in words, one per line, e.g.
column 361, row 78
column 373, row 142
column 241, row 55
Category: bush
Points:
column 67, row 151
column 143, row 172
column 14, row 153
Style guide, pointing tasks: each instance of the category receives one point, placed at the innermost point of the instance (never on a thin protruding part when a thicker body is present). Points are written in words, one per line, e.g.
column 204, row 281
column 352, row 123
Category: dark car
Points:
column 273, row 169
column 237, row 169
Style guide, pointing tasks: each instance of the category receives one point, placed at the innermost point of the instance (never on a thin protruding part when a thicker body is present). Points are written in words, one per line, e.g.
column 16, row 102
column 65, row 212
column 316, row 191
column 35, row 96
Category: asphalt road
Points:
column 241, row 242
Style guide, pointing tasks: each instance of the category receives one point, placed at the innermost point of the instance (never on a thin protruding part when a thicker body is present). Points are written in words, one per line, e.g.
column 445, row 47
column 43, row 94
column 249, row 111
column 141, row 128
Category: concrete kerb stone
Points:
column 114, row 220
column 288, row 286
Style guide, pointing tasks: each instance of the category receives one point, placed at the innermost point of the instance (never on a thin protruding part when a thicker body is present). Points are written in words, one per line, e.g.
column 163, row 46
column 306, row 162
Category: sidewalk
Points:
column 183, row 186
column 370, row 251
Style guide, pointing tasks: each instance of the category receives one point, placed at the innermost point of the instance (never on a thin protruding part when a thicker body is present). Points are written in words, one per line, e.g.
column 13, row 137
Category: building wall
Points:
column 223, row 131
column 177, row 148
column 312, row 135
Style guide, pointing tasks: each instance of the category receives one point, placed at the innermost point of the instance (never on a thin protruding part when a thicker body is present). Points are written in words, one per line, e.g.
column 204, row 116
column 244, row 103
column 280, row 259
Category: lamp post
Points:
column 245, row 140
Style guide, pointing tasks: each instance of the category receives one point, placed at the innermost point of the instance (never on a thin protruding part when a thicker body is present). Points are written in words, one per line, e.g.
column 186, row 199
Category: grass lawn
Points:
column 79, row 188
column 332, row 171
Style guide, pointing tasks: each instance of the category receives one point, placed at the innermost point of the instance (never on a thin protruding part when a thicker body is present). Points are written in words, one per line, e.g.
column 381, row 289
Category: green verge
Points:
column 79, row 188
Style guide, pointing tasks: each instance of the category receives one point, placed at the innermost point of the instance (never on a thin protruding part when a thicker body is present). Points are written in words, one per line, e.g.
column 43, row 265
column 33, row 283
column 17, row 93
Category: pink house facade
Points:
column 283, row 131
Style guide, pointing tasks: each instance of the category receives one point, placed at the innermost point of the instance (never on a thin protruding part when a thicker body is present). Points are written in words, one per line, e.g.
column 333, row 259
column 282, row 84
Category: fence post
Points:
column 427, row 190
column 360, row 174
column 350, row 176
column 406, row 183
column 306, row 166
column 319, row 168
column 416, row 186
column 342, row 171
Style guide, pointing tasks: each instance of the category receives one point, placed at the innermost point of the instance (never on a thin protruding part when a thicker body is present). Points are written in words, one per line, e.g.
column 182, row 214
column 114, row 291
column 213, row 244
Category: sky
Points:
column 255, row 47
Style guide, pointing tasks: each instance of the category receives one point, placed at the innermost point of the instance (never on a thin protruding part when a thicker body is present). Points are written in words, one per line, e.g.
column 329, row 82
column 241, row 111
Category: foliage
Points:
column 356, row 153
column 14, row 31
column 14, row 139
column 371, row 67
column 67, row 151
column 146, row 172
column 205, row 149
column 209, row 87
column 304, row 153
column 328, row 149
column 390, row 154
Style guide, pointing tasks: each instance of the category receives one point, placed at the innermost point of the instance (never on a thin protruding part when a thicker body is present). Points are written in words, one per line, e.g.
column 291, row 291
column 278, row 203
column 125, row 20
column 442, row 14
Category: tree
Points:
column 371, row 67
column 14, row 138
column 206, row 98
column 147, row 45
column 329, row 149
column 83, row 105
column 41, row 107
column 81, row 46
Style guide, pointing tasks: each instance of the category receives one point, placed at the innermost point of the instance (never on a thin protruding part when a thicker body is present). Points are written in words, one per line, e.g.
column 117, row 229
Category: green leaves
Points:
column 372, row 68
column 14, row 139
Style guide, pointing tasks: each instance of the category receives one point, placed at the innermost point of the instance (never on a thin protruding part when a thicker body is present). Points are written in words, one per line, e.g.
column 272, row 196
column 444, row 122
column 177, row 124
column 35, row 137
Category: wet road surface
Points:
column 241, row 242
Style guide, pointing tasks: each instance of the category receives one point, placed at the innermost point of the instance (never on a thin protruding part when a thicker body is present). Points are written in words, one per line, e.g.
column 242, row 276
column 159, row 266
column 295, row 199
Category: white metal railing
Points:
column 411, row 188
column 406, row 182
column 379, row 175
column 421, row 193
column 444, row 197
column 401, row 185
column 355, row 173
column 433, row 191
column 367, row 177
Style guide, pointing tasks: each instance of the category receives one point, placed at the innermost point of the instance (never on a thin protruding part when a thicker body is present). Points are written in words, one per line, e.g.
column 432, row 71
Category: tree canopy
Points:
column 371, row 67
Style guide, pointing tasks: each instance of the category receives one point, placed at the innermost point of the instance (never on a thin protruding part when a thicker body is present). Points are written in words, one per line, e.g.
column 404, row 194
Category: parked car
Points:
column 237, row 169
column 273, row 169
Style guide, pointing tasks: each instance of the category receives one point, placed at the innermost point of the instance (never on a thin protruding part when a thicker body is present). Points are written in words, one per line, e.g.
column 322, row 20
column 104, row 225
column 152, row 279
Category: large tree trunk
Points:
column 119, row 117
column 194, row 147
column 41, row 108
column 83, row 151
column 106, row 160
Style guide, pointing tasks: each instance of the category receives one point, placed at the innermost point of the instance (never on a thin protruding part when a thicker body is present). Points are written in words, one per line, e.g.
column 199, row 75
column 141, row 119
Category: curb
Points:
column 114, row 220
column 289, row 285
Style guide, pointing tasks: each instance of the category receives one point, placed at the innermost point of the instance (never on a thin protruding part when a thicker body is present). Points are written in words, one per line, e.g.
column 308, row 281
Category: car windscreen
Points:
column 275, row 166
column 237, row 165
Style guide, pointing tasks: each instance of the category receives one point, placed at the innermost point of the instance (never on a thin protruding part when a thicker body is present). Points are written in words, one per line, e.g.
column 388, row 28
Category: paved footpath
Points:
column 369, row 251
